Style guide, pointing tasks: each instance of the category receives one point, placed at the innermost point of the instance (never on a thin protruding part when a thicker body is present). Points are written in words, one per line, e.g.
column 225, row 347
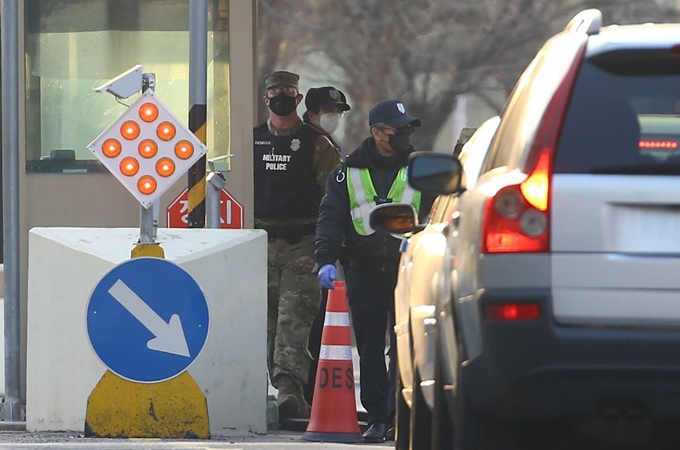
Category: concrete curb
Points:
column 13, row 426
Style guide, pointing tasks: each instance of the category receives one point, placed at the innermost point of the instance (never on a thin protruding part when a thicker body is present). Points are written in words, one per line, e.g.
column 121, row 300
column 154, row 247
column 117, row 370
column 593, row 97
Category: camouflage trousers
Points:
column 293, row 298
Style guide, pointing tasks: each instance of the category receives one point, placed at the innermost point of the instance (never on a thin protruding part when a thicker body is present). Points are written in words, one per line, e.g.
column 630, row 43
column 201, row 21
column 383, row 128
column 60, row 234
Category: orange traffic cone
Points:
column 334, row 410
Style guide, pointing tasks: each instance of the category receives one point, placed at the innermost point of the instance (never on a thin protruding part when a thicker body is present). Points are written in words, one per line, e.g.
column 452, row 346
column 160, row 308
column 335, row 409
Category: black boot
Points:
column 376, row 432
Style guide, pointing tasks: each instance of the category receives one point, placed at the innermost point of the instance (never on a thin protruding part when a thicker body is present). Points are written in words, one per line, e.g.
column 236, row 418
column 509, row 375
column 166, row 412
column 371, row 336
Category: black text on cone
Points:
column 334, row 411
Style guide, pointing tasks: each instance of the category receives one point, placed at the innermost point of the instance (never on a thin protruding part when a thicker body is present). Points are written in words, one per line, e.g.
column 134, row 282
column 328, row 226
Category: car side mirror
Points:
column 435, row 173
column 398, row 218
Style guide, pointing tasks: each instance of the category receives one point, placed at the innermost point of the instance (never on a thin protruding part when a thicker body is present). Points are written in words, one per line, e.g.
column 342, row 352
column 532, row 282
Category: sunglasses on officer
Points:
column 408, row 129
column 277, row 90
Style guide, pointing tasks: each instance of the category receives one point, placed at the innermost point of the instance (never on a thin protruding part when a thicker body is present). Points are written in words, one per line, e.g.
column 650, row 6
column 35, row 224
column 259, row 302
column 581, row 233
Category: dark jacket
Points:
column 335, row 231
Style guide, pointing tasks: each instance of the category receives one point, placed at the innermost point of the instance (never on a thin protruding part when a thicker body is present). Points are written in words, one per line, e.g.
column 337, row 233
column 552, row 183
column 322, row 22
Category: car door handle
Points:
column 455, row 218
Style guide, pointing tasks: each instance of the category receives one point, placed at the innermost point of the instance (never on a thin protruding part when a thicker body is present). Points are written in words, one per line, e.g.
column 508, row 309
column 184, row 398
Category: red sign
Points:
column 231, row 211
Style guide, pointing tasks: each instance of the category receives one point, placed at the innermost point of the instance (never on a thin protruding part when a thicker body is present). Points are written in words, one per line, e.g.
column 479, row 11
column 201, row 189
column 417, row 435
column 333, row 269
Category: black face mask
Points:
column 400, row 142
column 282, row 105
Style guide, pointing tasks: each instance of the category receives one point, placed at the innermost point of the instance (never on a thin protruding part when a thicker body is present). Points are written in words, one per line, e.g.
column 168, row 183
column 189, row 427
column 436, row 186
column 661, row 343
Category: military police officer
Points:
column 291, row 164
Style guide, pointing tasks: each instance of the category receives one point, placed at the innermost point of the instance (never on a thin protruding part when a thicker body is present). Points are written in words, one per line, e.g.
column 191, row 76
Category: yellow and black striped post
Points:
column 198, row 86
column 197, row 124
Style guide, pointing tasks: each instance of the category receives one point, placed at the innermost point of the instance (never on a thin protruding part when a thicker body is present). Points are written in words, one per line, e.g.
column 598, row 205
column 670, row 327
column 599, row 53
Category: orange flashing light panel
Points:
column 148, row 112
column 129, row 166
column 184, row 150
column 165, row 167
column 130, row 130
column 147, row 185
column 166, row 131
column 147, row 148
column 111, row 148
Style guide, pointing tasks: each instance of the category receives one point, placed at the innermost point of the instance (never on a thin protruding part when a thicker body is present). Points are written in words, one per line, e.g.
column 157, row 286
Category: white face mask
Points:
column 330, row 122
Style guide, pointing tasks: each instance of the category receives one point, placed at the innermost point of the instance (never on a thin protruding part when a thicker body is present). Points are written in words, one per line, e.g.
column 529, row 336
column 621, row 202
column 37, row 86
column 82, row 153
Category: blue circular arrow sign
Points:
column 147, row 320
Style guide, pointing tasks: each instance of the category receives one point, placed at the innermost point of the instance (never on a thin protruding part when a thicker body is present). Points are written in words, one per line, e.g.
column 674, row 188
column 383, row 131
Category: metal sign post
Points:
column 198, row 81
column 9, row 35
column 215, row 183
column 147, row 231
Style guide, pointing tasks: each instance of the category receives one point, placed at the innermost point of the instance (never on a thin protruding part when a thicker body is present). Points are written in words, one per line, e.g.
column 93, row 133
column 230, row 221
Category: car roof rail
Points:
column 588, row 21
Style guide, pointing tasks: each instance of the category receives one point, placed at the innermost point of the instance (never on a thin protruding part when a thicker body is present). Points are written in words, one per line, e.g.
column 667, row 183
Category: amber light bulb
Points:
column 130, row 130
column 111, row 148
column 166, row 131
column 165, row 167
column 147, row 185
column 184, row 149
column 129, row 166
column 148, row 148
column 148, row 112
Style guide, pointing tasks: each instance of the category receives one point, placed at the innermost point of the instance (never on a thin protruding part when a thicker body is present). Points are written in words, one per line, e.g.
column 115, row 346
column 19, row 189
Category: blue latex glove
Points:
column 327, row 275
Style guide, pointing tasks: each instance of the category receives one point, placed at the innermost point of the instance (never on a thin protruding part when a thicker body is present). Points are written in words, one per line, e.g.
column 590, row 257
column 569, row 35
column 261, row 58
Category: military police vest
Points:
column 285, row 179
column 362, row 196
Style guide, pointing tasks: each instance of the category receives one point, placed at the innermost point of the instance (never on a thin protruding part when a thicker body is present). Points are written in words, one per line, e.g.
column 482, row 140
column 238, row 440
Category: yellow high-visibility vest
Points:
column 362, row 195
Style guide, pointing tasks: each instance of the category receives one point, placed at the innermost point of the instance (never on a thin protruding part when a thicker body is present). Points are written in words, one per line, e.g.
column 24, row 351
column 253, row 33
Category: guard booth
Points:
column 72, row 46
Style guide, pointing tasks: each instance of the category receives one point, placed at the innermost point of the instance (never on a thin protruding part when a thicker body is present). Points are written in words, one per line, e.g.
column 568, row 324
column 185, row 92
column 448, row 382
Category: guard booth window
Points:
column 73, row 46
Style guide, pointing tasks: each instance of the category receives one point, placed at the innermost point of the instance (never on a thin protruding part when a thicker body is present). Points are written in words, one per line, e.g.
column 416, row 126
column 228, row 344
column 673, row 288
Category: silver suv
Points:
column 563, row 262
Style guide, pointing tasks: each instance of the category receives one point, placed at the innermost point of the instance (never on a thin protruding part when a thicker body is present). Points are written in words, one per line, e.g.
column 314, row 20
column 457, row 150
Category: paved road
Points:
column 70, row 441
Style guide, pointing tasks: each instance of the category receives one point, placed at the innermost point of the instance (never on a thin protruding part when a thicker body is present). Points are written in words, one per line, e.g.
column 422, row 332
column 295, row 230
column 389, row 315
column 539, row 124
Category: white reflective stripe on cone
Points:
column 336, row 319
column 335, row 353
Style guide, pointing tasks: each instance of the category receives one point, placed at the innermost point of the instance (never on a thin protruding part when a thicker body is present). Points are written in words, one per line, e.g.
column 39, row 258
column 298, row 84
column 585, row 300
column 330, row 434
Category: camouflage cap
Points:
column 281, row 77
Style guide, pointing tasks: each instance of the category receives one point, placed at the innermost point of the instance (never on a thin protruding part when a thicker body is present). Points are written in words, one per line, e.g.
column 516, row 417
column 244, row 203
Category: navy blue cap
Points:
column 325, row 98
column 392, row 113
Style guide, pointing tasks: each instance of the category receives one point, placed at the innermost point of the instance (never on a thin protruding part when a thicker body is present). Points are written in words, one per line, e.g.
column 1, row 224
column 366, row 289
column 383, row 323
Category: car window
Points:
column 475, row 150
column 624, row 116
column 514, row 112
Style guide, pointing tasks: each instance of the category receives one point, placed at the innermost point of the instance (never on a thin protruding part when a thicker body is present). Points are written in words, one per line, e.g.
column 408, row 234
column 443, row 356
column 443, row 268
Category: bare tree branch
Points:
column 426, row 52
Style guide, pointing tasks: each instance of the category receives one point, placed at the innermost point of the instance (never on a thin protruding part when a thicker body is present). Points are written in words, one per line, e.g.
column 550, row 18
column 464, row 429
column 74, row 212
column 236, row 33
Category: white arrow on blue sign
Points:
column 147, row 320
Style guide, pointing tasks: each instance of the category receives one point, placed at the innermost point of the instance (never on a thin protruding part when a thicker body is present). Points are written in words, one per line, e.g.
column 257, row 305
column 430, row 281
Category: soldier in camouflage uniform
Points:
column 326, row 107
column 291, row 162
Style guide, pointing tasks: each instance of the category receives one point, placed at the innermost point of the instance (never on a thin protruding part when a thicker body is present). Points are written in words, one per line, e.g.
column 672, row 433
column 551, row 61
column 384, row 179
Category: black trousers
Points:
column 371, row 301
column 314, row 346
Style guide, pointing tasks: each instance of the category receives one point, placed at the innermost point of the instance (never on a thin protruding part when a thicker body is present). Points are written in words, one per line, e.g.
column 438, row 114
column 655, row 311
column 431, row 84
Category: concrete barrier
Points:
column 65, row 265
column 2, row 347
column 2, row 330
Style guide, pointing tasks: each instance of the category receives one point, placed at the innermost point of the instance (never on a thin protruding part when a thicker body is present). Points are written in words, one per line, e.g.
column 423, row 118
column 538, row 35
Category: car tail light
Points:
column 671, row 145
column 512, row 311
column 512, row 225
column 516, row 217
